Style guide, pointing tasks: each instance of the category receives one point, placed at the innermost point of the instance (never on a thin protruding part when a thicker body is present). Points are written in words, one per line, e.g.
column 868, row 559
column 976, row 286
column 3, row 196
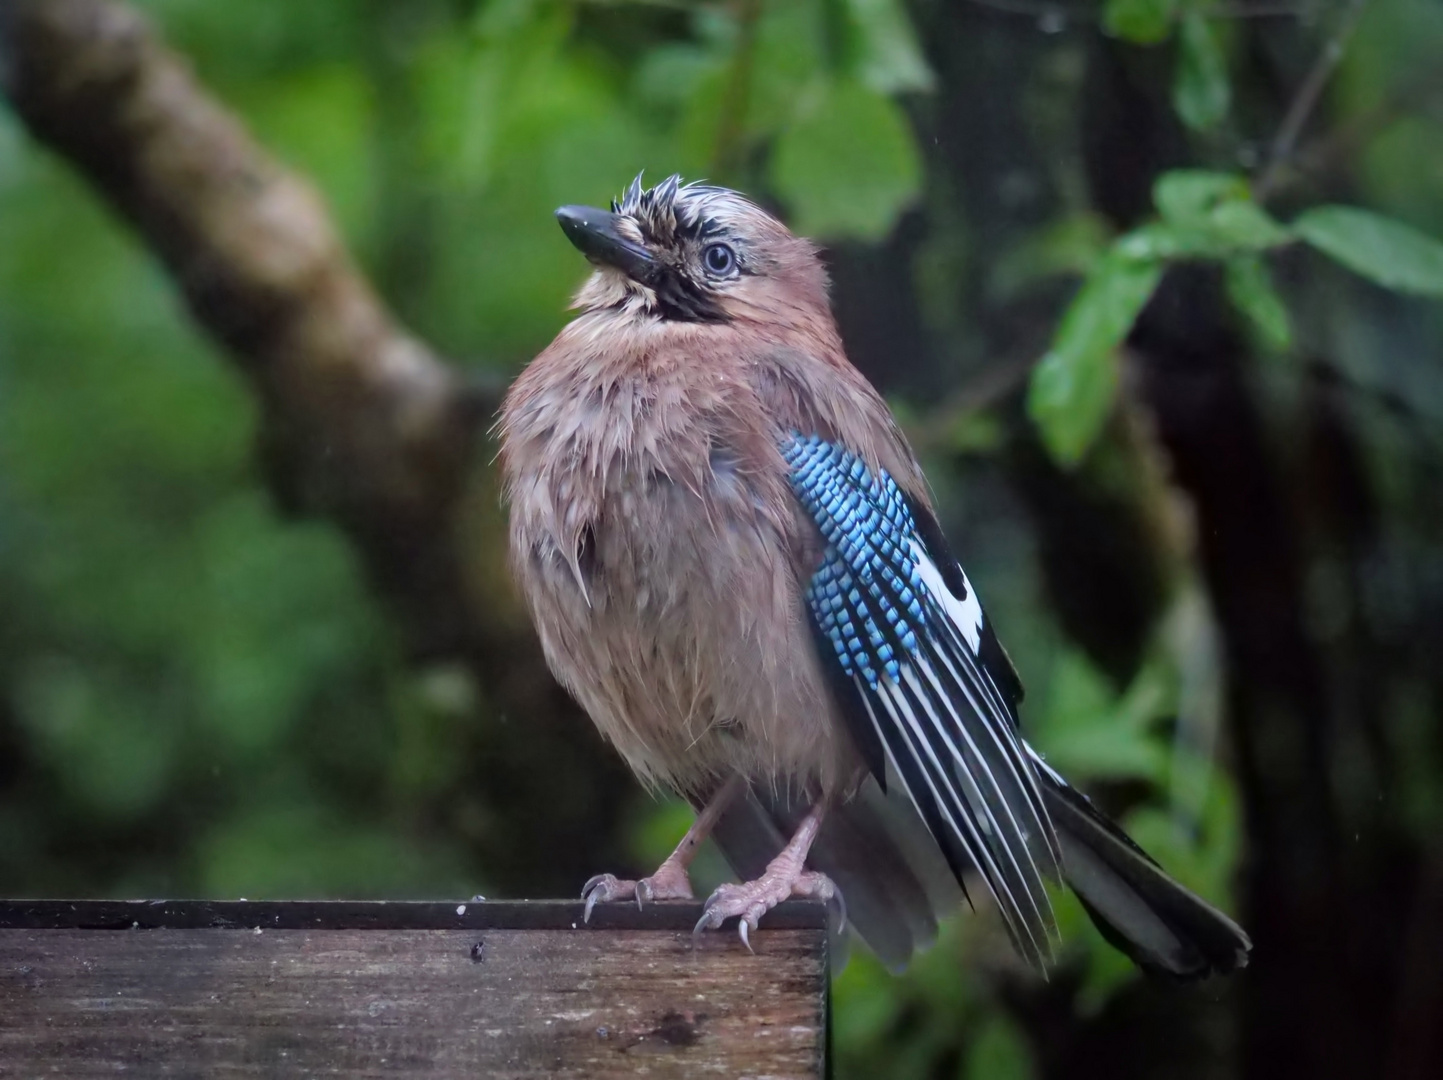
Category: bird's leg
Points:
column 670, row 882
column 784, row 877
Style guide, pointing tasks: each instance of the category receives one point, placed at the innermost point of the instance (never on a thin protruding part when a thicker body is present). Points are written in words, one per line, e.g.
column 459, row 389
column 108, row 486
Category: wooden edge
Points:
column 377, row 915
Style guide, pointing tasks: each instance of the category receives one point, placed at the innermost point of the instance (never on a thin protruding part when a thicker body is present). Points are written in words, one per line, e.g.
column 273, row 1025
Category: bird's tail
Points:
column 1162, row 926
column 893, row 878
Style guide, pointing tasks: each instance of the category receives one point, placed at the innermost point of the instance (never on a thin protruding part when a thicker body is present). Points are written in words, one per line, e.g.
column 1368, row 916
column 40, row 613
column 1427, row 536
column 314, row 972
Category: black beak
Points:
column 595, row 235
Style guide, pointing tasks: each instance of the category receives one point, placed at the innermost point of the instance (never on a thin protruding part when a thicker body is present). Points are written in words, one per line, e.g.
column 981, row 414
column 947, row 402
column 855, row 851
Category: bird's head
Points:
column 693, row 253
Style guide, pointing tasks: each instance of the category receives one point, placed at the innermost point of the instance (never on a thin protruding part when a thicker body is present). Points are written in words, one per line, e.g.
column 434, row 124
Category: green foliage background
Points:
column 201, row 697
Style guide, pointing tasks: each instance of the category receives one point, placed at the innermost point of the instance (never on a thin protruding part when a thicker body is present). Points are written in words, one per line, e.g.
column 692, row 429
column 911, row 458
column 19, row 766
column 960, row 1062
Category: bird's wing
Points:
column 921, row 681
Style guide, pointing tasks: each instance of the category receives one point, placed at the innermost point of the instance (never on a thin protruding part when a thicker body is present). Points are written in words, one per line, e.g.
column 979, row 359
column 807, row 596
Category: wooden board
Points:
column 406, row 990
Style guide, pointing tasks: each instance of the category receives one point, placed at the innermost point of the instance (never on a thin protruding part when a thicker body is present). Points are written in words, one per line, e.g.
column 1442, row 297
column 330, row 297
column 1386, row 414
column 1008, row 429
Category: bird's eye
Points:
column 719, row 260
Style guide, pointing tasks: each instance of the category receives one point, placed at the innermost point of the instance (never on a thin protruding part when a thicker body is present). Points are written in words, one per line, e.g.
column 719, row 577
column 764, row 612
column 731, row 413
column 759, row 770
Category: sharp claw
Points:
column 702, row 924
column 591, row 883
column 591, row 892
column 743, row 928
column 841, row 910
column 643, row 894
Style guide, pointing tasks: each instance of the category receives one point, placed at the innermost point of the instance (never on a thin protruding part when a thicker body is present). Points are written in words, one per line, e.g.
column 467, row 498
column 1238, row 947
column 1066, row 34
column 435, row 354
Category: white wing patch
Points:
column 911, row 650
column 966, row 614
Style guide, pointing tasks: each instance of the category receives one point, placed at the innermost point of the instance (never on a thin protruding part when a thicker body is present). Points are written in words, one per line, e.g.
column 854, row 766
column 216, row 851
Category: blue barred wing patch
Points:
column 906, row 652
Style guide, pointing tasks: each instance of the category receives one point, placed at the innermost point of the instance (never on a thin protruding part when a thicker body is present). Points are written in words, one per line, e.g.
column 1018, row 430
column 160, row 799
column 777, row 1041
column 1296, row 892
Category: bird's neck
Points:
column 631, row 341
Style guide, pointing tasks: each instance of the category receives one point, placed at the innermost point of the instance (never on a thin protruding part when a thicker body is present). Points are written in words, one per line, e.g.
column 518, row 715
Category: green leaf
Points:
column 1200, row 92
column 1250, row 288
column 1072, row 389
column 1380, row 249
column 1087, row 731
column 888, row 58
column 849, row 167
column 1244, row 225
column 1143, row 22
column 1069, row 399
column 1204, row 214
column 1161, row 240
column 1187, row 196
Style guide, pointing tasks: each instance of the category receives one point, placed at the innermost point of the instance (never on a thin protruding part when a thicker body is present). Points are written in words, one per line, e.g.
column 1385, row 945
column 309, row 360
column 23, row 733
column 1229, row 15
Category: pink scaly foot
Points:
column 670, row 882
column 751, row 900
column 784, row 877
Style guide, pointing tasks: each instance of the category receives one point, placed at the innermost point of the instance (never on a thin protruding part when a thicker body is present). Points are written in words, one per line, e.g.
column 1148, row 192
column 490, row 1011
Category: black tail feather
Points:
column 1141, row 911
column 893, row 878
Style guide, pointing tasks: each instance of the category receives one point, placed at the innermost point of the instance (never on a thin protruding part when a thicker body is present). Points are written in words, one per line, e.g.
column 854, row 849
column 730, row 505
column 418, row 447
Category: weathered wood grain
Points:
column 478, row 1001
column 373, row 915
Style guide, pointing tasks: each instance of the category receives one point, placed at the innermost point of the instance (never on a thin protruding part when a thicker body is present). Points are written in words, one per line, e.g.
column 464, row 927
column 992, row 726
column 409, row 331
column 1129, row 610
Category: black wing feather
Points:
column 902, row 636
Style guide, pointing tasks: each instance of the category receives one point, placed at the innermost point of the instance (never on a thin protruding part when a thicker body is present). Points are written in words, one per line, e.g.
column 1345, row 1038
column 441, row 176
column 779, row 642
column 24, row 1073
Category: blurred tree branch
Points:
column 361, row 422
column 1306, row 98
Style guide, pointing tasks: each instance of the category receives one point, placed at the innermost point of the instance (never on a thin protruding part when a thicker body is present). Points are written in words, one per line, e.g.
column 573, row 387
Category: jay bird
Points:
column 732, row 559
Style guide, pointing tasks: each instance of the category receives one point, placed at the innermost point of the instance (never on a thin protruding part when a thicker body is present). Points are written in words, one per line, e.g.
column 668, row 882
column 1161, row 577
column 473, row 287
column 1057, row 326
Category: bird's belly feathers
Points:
column 679, row 626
